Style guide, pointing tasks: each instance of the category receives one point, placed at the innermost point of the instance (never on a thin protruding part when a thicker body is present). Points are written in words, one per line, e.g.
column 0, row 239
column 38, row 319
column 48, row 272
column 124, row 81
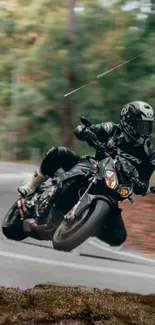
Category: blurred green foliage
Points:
column 41, row 61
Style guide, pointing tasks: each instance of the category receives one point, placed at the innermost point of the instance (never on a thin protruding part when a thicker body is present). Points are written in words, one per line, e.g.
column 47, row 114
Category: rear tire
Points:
column 88, row 227
column 12, row 226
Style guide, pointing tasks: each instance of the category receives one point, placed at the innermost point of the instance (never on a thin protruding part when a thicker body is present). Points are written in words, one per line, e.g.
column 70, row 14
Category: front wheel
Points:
column 71, row 234
column 12, row 226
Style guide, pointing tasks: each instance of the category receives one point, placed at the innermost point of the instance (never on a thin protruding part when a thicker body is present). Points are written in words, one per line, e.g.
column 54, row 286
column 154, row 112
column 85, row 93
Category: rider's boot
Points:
column 30, row 187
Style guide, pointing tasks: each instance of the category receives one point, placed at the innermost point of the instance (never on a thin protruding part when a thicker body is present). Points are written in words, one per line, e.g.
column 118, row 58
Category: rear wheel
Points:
column 12, row 226
column 71, row 234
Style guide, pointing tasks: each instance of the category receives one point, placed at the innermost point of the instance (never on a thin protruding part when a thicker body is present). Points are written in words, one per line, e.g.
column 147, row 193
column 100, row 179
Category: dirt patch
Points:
column 140, row 223
column 63, row 305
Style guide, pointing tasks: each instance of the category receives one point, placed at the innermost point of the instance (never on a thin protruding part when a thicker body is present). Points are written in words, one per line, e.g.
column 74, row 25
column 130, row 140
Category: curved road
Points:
column 94, row 264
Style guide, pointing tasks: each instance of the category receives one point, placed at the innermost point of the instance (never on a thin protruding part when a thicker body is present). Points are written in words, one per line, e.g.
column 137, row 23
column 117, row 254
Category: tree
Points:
column 52, row 62
column 64, row 61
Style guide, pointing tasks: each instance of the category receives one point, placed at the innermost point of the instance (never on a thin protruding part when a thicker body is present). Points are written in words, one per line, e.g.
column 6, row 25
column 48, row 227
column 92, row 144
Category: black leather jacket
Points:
column 142, row 157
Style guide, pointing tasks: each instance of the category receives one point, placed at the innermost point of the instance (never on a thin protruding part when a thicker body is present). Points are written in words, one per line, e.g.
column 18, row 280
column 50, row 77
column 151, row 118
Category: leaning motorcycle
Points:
column 75, row 205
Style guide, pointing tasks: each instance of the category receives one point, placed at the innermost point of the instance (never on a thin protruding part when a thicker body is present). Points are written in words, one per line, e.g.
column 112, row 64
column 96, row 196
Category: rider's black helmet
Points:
column 137, row 121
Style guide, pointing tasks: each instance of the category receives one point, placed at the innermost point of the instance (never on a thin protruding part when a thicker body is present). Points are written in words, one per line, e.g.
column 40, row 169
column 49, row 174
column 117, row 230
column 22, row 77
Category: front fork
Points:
column 72, row 213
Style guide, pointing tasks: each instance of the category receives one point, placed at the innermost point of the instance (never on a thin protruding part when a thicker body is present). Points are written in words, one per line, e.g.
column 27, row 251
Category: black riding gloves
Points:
column 140, row 188
column 89, row 135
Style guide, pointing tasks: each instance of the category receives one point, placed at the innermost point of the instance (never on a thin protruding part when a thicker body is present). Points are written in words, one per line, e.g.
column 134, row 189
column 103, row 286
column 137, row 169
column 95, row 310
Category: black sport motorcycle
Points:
column 74, row 205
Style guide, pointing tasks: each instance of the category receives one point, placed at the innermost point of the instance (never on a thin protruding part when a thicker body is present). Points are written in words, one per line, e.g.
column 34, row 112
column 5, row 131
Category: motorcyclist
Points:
column 133, row 136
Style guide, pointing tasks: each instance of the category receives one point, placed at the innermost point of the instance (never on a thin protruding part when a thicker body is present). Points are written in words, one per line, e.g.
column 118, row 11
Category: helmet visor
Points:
column 143, row 127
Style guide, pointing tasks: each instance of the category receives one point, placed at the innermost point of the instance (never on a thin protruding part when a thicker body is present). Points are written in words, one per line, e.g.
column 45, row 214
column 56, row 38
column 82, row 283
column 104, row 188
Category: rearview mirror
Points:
column 152, row 189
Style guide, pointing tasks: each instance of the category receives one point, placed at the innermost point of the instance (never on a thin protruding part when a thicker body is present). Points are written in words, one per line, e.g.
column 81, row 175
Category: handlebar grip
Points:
column 98, row 145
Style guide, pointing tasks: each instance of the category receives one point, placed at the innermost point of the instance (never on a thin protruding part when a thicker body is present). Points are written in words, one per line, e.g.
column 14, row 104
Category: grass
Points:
column 63, row 305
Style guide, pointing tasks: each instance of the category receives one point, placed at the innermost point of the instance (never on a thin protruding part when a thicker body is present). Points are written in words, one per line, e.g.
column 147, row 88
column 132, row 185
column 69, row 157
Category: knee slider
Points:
column 52, row 152
column 45, row 166
column 62, row 151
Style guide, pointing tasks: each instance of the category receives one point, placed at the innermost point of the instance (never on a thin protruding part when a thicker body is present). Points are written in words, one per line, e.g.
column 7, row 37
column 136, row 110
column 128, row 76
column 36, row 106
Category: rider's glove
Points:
column 89, row 135
column 140, row 188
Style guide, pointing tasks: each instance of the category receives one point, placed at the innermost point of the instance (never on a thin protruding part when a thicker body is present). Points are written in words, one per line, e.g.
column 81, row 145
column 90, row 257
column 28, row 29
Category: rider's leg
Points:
column 114, row 232
column 55, row 158
column 30, row 187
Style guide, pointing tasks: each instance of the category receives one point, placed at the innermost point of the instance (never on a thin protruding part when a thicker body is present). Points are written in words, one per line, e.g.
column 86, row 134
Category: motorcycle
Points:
column 75, row 205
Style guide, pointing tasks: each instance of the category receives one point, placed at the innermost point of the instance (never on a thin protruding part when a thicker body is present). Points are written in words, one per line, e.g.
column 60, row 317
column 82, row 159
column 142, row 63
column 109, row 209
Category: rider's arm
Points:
column 141, row 187
column 145, row 176
column 104, row 131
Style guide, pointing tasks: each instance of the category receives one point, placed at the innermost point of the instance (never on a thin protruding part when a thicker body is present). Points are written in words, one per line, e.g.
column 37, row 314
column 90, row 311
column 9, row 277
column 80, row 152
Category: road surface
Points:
column 93, row 264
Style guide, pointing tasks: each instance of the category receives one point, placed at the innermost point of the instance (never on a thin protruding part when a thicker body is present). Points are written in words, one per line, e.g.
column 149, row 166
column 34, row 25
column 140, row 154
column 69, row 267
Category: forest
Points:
column 49, row 48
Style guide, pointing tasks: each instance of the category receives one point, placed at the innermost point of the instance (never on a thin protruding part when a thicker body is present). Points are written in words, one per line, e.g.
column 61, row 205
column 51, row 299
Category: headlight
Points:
column 111, row 179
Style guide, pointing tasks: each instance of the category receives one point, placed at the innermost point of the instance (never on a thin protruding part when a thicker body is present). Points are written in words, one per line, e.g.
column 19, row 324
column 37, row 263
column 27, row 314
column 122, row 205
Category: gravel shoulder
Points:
column 57, row 304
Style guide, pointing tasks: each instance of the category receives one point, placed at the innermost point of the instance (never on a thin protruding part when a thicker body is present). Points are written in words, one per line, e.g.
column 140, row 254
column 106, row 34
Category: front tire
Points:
column 12, row 226
column 67, row 239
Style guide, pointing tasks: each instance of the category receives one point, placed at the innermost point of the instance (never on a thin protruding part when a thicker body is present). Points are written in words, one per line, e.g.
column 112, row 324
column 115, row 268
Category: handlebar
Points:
column 99, row 145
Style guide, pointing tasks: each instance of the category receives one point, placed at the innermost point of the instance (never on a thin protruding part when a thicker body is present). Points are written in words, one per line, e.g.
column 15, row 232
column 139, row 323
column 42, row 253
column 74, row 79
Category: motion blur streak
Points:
column 103, row 74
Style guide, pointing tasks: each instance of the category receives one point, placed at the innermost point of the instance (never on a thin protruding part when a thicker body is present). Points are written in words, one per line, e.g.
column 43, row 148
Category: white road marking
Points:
column 77, row 266
column 96, row 243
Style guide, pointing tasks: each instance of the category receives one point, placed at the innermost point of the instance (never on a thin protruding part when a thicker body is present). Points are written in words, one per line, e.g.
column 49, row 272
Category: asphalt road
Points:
column 93, row 264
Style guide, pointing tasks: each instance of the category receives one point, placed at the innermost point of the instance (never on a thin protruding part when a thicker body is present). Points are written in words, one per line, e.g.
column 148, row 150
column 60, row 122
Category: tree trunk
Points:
column 65, row 117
